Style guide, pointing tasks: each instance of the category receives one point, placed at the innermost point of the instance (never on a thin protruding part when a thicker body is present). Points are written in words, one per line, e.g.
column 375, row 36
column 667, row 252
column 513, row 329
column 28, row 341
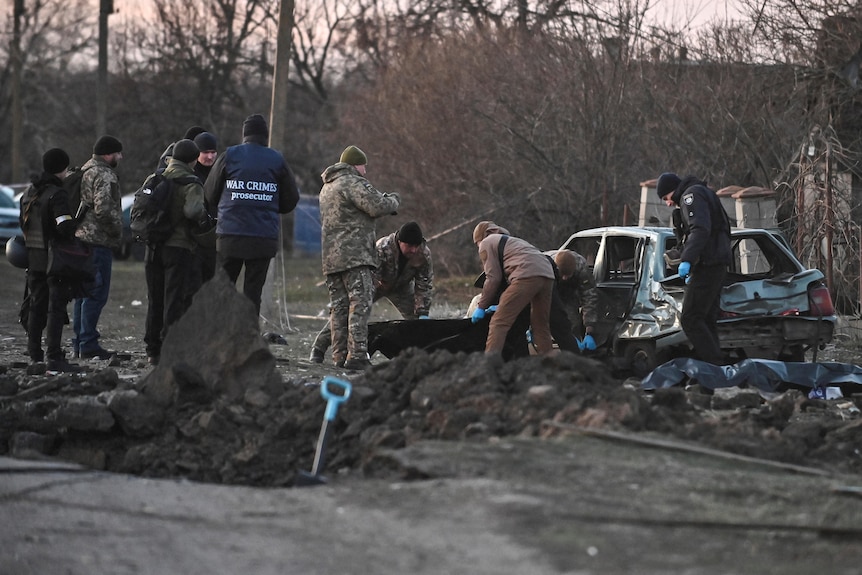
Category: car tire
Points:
column 793, row 353
column 641, row 358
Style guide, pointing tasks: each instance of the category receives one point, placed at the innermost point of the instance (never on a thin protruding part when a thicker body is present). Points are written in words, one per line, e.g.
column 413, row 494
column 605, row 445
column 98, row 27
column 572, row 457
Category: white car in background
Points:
column 8, row 214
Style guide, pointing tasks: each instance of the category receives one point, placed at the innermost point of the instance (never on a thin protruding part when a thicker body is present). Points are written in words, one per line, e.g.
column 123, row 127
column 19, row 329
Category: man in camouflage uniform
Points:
column 100, row 218
column 405, row 277
column 349, row 206
column 574, row 306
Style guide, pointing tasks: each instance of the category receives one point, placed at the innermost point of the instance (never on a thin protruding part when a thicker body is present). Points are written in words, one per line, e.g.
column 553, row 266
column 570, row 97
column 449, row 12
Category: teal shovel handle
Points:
column 334, row 399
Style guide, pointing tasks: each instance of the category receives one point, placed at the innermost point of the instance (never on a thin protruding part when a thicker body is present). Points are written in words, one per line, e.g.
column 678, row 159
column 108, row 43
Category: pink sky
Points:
column 697, row 12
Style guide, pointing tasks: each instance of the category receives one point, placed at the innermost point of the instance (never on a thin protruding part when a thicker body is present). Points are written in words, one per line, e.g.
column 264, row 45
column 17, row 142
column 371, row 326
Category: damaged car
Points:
column 772, row 307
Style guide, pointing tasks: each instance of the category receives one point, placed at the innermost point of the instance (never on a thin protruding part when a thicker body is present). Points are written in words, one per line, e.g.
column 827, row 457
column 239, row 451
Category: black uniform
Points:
column 45, row 216
column 706, row 231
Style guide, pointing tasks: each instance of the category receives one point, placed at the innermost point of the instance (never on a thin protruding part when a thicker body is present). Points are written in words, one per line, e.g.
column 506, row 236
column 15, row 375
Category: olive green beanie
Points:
column 353, row 156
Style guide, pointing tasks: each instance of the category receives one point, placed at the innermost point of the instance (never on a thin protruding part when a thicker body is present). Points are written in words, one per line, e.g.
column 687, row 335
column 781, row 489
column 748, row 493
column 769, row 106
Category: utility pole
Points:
column 278, row 110
column 278, row 141
column 278, row 128
column 106, row 8
column 17, row 104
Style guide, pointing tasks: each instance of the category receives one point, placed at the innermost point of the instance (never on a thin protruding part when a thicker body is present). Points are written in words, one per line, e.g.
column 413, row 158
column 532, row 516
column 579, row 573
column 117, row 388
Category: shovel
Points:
column 305, row 478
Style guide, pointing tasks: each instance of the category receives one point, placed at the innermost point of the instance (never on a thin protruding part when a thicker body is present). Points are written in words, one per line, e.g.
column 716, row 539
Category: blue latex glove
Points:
column 529, row 336
column 477, row 315
column 491, row 308
column 589, row 343
column 424, row 317
column 685, row 271
column 580, row 344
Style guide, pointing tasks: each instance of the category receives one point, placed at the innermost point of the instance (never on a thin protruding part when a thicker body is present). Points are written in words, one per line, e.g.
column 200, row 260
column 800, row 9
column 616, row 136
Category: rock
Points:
column 82, row 414
column 218, row 343
column 735, row 398
column 26, row 444
column 137, row 415
column 8, row 385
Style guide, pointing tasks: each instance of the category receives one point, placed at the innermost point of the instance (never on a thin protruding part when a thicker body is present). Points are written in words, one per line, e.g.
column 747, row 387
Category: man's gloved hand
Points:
column 424, row 317
column 685, row 271
column 478, row 314
column 589, row 343
column 491, row 308
column 529, row 336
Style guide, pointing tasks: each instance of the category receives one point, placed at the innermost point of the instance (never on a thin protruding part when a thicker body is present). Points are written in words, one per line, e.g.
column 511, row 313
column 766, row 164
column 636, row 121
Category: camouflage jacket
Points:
column 102, row 221
column 349, row 205
column 579, row 293
column 417, row 274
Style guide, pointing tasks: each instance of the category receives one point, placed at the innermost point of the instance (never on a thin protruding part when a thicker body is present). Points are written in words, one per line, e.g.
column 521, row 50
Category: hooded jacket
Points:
column 520, row 260
column 349, row 206
column 187, row 205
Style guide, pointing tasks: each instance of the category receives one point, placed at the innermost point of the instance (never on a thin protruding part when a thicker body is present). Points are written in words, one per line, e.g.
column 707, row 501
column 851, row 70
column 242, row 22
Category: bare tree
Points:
column 56, row 39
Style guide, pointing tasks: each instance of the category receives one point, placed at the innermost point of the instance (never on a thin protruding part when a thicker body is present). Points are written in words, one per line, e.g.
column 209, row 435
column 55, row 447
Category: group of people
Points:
column 48, row 216
column 242, row 191
column 360, row 270
column 518, row 276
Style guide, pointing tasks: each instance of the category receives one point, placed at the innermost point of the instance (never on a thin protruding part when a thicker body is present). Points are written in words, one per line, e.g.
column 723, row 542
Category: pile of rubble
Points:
column 217, row 410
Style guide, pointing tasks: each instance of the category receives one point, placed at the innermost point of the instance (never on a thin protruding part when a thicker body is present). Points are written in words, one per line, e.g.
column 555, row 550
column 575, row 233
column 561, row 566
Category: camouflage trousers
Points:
column 402, row 299
column 351, row 294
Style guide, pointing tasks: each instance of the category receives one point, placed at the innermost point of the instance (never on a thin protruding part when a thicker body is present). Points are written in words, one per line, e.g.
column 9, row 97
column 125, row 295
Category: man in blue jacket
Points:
column 704, row 256
column 249, row 186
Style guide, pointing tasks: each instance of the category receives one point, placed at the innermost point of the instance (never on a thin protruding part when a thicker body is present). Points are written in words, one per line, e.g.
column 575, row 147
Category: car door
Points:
column 616, row 263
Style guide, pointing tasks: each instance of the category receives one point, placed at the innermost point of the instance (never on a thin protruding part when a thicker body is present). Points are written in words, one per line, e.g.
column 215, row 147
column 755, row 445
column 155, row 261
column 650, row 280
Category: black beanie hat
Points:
column 410, row 233
column 667, row 182
column 206, row 142
column 185, row 151
column 107, row 145
column 255, row 125
column 192, row 132
column 55, row 161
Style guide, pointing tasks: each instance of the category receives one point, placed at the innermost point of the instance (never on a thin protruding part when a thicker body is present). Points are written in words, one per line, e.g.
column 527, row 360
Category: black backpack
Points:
column 72, row 185
column 150, row 216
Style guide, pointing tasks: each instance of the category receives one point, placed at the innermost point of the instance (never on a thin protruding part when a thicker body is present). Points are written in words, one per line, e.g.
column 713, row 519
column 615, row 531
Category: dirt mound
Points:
column 267, row 436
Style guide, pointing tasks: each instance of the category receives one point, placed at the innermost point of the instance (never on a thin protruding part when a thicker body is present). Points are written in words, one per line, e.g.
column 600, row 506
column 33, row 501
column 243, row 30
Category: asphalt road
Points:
column 576, row 505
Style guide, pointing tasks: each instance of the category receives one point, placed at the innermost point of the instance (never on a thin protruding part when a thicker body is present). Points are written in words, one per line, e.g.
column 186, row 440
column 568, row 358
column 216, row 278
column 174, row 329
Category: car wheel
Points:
column 641, row 358
column 793, row 353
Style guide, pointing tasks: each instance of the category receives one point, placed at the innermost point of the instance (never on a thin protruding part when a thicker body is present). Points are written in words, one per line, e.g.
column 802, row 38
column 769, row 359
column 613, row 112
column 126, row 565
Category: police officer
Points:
column 46, row 216
column 704, row 258
column 249, row 186
column 349, row 206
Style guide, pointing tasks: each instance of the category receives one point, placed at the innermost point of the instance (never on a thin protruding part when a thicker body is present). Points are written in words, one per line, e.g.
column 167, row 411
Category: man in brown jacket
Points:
column 524, row 275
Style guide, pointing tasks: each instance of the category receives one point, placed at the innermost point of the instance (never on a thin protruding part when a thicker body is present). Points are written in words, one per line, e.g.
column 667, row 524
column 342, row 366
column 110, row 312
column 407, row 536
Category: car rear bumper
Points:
column 775, row 333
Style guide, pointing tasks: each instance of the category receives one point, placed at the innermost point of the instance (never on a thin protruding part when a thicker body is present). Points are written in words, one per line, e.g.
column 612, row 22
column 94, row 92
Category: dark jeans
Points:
column 255, row 275
column 88, row 309
column 48, row 300
column 700, row 310
column 167, row 271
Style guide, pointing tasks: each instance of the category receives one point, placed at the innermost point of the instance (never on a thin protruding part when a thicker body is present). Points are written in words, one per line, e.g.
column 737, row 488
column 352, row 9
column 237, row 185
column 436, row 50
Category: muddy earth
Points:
column 235, row 401
column 260, row 424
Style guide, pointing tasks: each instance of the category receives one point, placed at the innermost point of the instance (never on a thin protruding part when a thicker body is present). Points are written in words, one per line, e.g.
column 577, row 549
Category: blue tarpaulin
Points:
column 763, row 374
